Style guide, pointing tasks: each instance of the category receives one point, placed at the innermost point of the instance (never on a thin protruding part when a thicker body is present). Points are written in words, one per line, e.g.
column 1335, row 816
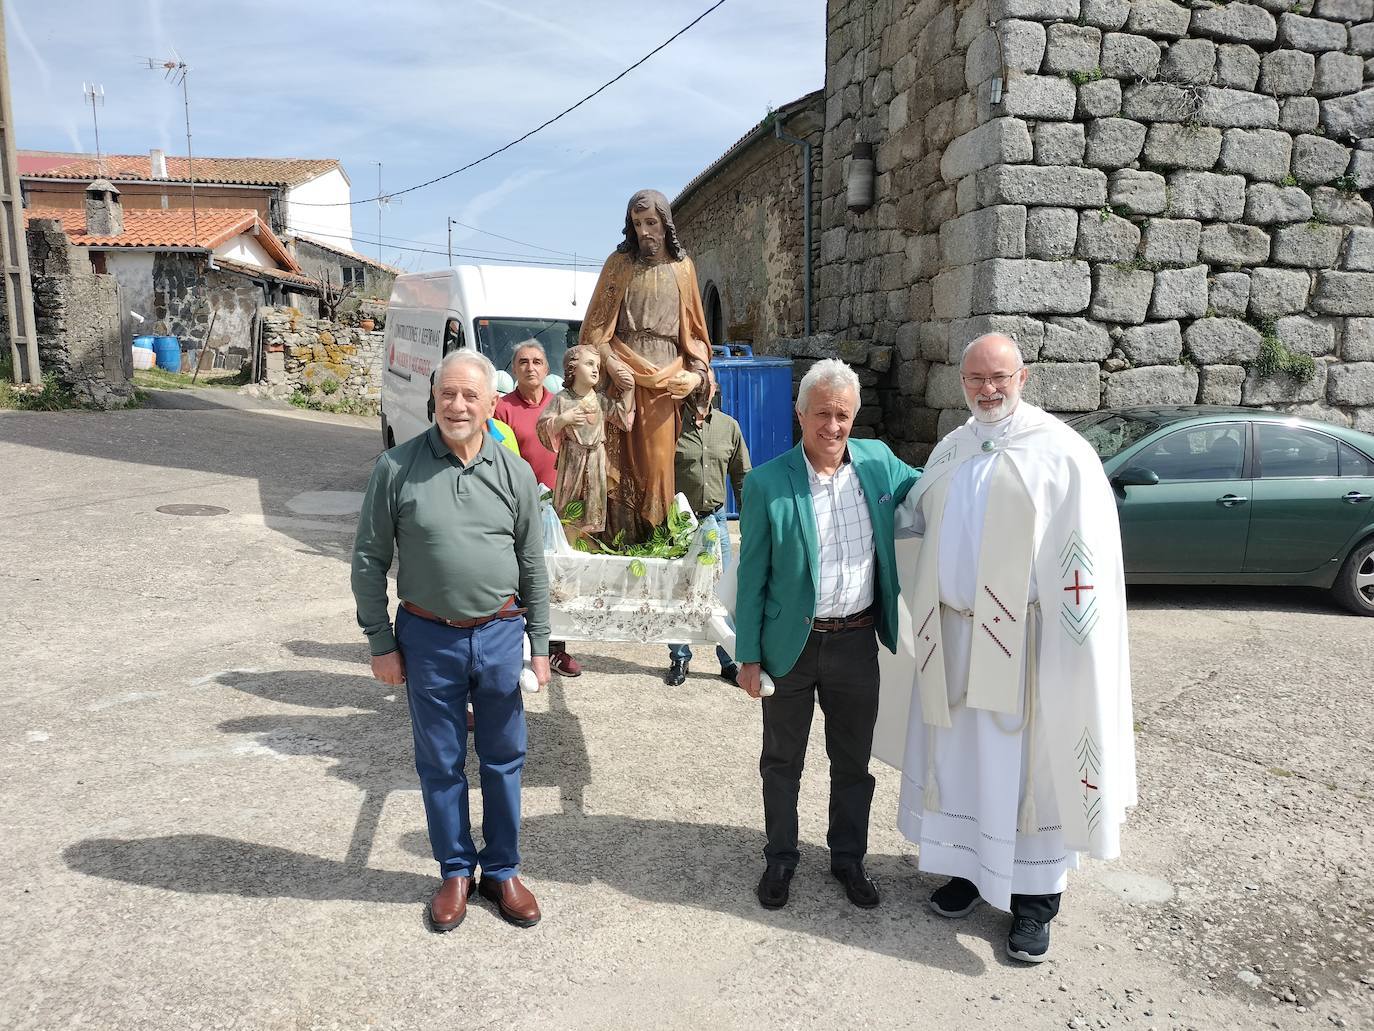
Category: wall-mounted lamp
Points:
column 860, row 186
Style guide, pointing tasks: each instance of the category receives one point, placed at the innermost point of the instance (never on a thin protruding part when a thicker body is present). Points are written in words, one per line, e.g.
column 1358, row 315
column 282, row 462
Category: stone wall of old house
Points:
column 193, row 301
column 321, row 358
column 77, row 320
column 1168, row 202
column 744, row 231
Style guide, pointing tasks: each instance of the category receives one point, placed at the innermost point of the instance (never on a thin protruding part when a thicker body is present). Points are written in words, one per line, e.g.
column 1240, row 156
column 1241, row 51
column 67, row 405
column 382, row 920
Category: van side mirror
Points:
column 1135, row 476
column 430, row 407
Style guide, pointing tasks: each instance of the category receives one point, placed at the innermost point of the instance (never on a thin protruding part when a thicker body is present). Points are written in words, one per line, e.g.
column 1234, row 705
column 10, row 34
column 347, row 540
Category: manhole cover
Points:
column 193, row 510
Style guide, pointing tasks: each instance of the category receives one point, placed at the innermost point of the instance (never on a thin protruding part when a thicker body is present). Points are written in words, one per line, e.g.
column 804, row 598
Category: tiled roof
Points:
column 243, row 171
column 302, row 284
column 763, row 128
column 344, row 252
column 156, row 228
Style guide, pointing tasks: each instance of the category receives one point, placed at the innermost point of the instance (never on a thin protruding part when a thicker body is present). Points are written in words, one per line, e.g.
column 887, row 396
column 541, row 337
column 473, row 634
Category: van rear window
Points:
column 497, row 338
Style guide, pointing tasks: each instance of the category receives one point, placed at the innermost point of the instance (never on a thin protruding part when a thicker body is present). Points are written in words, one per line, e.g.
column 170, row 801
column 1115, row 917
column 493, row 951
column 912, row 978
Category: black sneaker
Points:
column 957, row 898
column 1029, row 940
column 677, row 673
column 731, row 673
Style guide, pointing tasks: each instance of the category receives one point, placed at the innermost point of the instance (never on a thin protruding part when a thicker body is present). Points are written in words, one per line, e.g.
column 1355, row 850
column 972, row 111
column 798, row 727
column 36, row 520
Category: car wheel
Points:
column 1354, row 586
column 388, row 438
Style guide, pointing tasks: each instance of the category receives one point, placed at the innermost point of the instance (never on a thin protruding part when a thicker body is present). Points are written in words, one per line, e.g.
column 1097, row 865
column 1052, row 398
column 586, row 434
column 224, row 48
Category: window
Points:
column 497, row 339
column 1200, row 453
column 1353, row 463
column 352, row 275
column 1112, row 434
column 1288, row 451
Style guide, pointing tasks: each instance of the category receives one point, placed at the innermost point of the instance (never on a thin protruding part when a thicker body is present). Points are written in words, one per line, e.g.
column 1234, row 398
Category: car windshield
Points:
column 1110, row 434
column 498, row 339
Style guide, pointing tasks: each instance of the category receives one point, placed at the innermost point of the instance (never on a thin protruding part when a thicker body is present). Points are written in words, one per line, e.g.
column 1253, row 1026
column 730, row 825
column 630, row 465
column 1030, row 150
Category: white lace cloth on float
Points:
column 649, row 600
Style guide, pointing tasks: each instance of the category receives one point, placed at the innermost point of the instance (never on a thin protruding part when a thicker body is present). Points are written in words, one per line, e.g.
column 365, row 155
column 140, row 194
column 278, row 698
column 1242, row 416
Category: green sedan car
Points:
column 1211, row 495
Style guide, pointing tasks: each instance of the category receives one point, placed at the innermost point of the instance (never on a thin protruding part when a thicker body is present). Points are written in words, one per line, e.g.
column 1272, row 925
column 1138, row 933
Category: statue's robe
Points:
column 640, row 462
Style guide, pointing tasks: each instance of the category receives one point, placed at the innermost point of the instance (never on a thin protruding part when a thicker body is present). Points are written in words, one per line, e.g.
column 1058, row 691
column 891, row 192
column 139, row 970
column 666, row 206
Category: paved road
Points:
column 210, row 818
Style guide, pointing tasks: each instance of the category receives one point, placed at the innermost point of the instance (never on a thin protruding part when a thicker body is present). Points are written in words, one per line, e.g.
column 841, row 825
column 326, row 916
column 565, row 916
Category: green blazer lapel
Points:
column 806, row 513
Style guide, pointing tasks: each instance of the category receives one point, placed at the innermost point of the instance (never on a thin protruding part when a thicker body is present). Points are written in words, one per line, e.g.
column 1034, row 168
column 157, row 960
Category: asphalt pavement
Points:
column 210, row 818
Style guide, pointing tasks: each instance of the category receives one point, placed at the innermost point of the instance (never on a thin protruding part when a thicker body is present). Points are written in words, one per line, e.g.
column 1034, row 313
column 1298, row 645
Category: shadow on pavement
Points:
column 1236, row 598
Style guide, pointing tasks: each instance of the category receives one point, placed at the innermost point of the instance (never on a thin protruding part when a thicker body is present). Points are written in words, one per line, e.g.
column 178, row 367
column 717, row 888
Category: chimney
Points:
column 158, row 160
column 104, row 213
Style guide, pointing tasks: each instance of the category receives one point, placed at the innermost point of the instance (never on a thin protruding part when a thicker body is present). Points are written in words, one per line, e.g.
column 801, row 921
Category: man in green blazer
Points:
column 817, row 589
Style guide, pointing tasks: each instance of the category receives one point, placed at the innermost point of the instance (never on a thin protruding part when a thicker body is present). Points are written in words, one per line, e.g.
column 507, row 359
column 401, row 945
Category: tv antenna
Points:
column 95, row 96
column 383, row 202
column 177, row 72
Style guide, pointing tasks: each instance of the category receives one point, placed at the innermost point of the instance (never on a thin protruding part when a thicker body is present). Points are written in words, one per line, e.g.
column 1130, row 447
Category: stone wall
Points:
column 743, row 227
column 321, row 358
column 187, row 296
column 77, row 320
column 1166, row 204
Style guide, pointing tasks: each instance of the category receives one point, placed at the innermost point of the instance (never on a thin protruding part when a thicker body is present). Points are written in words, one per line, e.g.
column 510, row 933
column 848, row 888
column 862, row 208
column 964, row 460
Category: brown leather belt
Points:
column 829, row 624
column 505, row 612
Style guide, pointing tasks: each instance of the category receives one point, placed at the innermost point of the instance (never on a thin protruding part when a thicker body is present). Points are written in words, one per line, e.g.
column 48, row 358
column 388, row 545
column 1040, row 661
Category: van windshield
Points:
column 498, row 339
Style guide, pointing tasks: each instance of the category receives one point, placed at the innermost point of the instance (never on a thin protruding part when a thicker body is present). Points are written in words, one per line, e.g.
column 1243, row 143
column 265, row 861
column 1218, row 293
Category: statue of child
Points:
column 574, row 425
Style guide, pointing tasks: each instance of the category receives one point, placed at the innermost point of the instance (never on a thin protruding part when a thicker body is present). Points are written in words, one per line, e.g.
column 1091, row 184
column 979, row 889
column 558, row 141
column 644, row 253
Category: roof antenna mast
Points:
column 95, row 96
column 177, row 71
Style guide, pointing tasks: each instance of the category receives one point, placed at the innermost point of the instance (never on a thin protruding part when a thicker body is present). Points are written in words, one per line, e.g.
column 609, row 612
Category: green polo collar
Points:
column 439, row 449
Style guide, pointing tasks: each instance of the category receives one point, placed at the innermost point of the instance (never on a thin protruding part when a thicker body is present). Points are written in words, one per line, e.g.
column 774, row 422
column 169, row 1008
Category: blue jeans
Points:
column 445, row 667
column 717, row 521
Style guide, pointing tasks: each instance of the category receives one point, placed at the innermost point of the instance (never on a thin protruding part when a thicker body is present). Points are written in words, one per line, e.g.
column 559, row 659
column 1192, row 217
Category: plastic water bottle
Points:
column 766, row 687
column 529, row 680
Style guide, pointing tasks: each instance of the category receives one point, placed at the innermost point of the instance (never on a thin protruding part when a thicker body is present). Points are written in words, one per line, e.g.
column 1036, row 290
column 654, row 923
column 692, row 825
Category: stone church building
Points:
column 1163, row 201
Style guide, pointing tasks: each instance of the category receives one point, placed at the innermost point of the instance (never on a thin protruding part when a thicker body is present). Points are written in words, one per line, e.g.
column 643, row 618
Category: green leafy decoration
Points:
column 581, row 544
column 574, row 511
column 638, row 568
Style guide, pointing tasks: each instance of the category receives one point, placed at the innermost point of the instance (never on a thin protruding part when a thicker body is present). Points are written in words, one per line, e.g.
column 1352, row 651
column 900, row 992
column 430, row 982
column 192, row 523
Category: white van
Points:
column 495, row 307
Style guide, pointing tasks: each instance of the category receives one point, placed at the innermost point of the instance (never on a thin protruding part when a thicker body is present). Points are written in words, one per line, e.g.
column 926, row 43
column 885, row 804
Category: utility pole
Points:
column 380, row 201
column 14, row 247
column 178, row 71
column 450, row 243
column 95, row 96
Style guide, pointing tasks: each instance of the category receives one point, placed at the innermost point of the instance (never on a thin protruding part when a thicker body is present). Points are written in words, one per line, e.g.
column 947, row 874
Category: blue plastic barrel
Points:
column 757, row 393
column 168, row 351
column 144, row 341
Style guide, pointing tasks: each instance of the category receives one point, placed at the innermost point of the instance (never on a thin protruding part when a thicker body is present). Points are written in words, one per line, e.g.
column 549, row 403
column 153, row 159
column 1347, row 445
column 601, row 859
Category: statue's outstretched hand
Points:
column 682, row 384
column 624, row 378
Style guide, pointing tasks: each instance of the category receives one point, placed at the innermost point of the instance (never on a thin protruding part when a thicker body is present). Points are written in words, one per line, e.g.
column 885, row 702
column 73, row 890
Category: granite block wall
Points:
column 1163, row 202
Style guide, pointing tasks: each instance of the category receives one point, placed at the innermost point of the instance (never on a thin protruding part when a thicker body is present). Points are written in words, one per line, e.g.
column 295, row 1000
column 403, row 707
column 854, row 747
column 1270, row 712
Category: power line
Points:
column 427, row 245
column 511, row 239
column 522, row 139
column 529, row 259
column 370, row 238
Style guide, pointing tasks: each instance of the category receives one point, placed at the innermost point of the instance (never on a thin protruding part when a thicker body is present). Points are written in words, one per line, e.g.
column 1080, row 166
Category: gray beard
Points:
column 995, row 415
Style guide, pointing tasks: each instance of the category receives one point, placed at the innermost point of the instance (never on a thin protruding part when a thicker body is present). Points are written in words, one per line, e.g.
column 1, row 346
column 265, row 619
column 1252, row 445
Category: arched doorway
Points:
column 715, row 321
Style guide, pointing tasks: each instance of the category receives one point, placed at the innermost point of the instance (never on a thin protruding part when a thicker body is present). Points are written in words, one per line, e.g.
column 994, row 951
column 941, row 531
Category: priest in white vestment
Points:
column 1019, row 752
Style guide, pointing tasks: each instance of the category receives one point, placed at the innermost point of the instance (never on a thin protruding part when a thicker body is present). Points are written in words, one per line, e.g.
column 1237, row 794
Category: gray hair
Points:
column 1020, row 362
column 467, row 356
column 830, row 373
column 529, row 345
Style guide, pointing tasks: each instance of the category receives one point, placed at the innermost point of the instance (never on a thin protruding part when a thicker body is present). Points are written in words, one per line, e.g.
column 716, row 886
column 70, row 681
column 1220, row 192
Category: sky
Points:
column 425, row 86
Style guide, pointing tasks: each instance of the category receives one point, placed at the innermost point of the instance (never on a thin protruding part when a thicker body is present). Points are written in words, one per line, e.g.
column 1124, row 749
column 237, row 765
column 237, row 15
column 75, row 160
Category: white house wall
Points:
column 333, row 225
column 247, row 250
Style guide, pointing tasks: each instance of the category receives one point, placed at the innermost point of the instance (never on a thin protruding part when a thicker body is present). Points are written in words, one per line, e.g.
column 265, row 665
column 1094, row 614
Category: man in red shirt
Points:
column 520, row 410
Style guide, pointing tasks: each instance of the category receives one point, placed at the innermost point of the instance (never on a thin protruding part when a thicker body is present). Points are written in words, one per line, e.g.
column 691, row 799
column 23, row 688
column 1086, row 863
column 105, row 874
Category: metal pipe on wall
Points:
column 806, row 217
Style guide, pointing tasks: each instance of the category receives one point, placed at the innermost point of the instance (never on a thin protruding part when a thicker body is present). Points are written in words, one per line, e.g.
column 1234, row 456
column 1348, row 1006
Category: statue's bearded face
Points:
column 649, row 230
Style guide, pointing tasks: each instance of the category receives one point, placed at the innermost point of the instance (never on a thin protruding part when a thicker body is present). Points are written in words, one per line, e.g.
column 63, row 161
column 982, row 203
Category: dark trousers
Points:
column 445, row 667
column 841, row 670
column 1038, row 907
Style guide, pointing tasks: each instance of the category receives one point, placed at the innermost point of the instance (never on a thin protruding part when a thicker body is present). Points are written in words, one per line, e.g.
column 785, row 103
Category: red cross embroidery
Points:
column 997, row 619
column 1084, row 782
column 1078, row 588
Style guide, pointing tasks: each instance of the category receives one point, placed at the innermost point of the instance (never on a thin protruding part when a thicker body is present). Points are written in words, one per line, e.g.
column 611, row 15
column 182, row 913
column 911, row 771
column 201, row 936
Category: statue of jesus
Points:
column 646, row 320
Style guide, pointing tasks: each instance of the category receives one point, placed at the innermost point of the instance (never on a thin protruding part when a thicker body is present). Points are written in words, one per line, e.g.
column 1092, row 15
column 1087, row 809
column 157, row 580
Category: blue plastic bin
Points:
column 168, row 351
column 757, row 393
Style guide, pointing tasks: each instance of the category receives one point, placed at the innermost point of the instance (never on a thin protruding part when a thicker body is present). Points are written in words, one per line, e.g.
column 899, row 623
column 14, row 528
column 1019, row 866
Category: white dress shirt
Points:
column 844, row 532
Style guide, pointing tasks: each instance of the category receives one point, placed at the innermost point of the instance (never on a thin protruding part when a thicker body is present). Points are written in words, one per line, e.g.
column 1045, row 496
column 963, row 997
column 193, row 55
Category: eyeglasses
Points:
column 999, row 381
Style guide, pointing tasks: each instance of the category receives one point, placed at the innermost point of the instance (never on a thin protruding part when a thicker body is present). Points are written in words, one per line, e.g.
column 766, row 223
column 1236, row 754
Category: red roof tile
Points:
column 169, row 228
column 247, row 171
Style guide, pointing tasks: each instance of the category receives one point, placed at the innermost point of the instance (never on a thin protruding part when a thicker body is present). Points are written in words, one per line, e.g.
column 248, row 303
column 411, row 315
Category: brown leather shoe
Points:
column 513, row 899
column 450, row 903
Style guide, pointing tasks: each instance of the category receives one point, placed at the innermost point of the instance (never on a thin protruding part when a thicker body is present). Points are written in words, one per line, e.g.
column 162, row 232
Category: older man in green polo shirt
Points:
column 462, row 514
